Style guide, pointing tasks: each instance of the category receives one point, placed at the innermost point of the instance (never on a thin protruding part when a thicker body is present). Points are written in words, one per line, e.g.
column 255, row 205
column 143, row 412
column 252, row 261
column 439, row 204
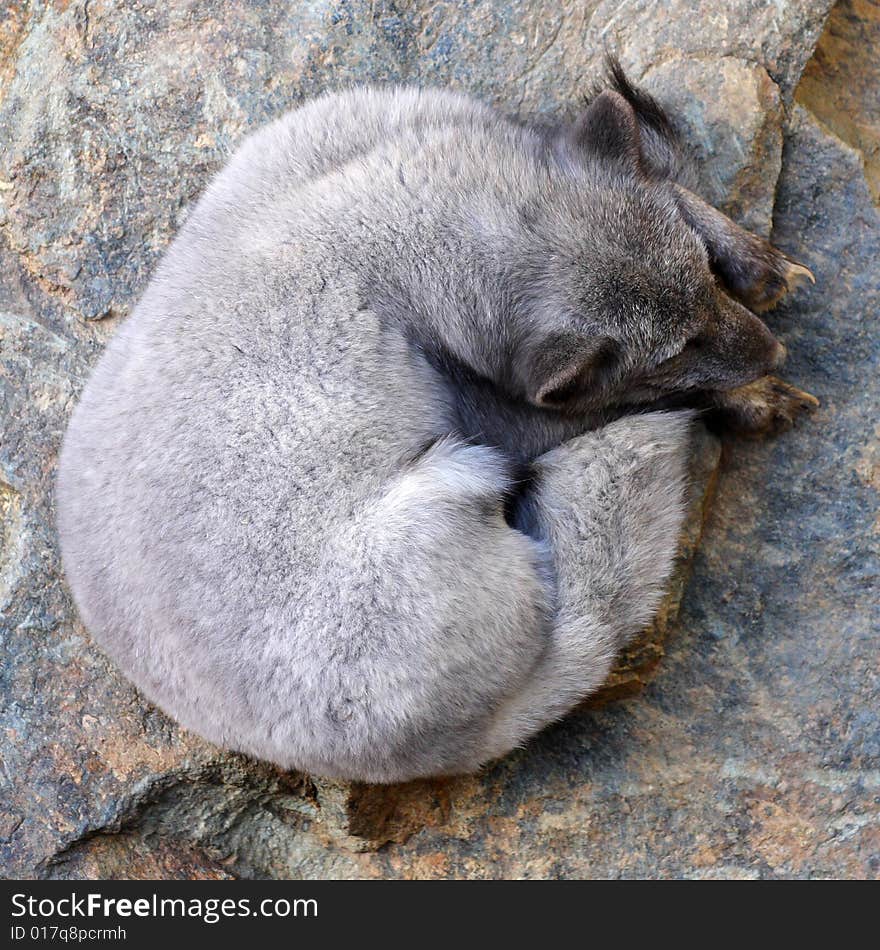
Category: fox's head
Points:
column 631, row 287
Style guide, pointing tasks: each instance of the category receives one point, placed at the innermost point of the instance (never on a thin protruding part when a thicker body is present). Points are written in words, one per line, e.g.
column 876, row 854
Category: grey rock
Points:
column 751, row 746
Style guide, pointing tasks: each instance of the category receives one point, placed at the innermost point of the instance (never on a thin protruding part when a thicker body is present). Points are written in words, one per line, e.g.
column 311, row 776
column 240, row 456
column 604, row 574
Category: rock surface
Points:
column 841, row 84
column 753, row 748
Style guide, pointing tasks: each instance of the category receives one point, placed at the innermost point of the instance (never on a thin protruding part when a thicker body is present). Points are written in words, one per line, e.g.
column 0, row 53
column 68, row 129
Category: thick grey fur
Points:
column 339, row 493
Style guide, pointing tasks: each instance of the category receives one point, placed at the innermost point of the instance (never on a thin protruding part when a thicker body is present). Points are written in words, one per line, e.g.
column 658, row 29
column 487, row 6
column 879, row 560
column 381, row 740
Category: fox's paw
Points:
column 766, row 407
column 780, row 275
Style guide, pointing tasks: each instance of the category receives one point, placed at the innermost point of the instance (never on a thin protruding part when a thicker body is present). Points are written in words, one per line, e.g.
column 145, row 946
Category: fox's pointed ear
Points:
column 608, row 129
column 568, row 370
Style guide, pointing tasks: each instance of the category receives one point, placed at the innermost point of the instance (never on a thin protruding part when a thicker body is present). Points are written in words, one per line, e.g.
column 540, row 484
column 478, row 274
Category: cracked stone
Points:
column 736, row 739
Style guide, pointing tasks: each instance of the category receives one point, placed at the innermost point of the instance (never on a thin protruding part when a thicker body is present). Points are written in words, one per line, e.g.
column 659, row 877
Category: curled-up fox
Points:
column 387, row 464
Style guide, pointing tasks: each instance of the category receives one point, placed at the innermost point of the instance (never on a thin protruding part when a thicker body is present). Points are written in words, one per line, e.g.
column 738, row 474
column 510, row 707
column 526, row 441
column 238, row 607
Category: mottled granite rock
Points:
column 751, row 749
column 778, row 36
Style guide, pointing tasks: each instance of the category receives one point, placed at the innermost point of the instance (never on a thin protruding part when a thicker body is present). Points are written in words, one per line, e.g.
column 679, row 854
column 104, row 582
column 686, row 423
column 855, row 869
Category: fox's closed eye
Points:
column 695, row 344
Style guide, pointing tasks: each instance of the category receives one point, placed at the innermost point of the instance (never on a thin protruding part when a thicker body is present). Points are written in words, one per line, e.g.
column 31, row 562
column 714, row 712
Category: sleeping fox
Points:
column 387, row 464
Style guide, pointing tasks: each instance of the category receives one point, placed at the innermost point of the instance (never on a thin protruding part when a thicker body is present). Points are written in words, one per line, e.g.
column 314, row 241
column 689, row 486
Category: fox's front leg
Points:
column 751, row 269
column 765, row 407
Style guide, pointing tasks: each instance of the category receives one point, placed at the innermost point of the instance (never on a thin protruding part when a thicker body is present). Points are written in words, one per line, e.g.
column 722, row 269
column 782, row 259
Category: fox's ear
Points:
column 567, row 370
column 608, row 129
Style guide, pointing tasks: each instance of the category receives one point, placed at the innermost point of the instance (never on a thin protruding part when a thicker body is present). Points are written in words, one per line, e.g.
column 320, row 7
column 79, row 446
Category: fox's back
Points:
column 251, row 406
